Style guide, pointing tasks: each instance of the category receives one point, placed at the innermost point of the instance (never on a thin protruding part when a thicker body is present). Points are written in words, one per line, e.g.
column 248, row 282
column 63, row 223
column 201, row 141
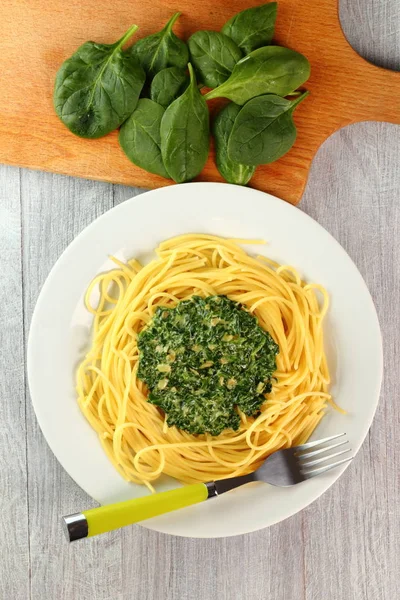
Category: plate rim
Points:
column 165, row 190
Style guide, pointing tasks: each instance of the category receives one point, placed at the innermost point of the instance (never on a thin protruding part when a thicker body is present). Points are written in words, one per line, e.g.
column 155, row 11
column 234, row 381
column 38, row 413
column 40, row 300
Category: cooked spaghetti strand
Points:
column 133, row 432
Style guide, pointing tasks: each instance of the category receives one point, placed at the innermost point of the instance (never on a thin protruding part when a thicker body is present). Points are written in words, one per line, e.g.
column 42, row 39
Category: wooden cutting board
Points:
column 36, row 37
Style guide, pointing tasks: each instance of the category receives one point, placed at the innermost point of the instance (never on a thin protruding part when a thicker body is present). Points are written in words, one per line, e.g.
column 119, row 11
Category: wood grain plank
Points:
column 351, row 534
column 372, row 28
column 337, row 532
column 31, row 135
column 351, row 541
column 363, row 162
column 265, row 564
column 173, row 568
column 14, row 537
column 55, row 210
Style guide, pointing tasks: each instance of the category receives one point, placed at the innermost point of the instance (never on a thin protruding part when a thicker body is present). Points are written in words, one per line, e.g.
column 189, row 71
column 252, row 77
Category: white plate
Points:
column 60, row 332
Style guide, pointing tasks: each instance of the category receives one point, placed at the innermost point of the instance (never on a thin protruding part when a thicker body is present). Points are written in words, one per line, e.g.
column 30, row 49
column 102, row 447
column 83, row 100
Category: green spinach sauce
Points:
column 203, row 359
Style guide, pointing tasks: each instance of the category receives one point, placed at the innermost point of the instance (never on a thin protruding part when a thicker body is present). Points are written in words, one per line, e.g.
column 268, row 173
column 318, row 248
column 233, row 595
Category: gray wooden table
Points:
column 345, row 546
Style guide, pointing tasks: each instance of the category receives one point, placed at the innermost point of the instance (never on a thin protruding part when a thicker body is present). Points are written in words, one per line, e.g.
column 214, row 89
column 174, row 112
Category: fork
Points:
column 282, row 468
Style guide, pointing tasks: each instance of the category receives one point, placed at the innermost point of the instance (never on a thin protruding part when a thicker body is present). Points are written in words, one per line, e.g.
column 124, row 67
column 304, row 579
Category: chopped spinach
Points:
column 140, row 137
column 253, row 27
column 204, row 359
column 98, row 88
column 269, row 70
column 160, row 50
column 263, row 130
column 231, row 171
column 167, row 85
column 213, row 56
column 185, row 135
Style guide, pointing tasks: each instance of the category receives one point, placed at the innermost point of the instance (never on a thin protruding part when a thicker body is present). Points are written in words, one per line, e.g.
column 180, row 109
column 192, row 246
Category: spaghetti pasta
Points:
column 133, row 432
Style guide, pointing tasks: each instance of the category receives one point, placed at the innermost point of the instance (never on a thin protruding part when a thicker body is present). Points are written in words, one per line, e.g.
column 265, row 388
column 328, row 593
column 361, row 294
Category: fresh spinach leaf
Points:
column 231, row 171
column 160, row 50
column 269, row 70
column 253, row 27
column 167, row 85
column 185, row 136
column 98, row 88
column 140, row 137
column 263, row 130
column 213, row 56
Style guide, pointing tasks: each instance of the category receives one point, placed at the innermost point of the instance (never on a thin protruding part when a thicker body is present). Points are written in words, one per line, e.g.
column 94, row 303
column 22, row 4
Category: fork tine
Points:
column 318, row 461
column 318, row 442
column 306, row 455
column 315, row 472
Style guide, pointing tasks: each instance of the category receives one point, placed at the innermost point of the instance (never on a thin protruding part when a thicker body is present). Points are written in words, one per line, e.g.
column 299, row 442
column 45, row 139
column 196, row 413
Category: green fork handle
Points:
column 113, row 516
